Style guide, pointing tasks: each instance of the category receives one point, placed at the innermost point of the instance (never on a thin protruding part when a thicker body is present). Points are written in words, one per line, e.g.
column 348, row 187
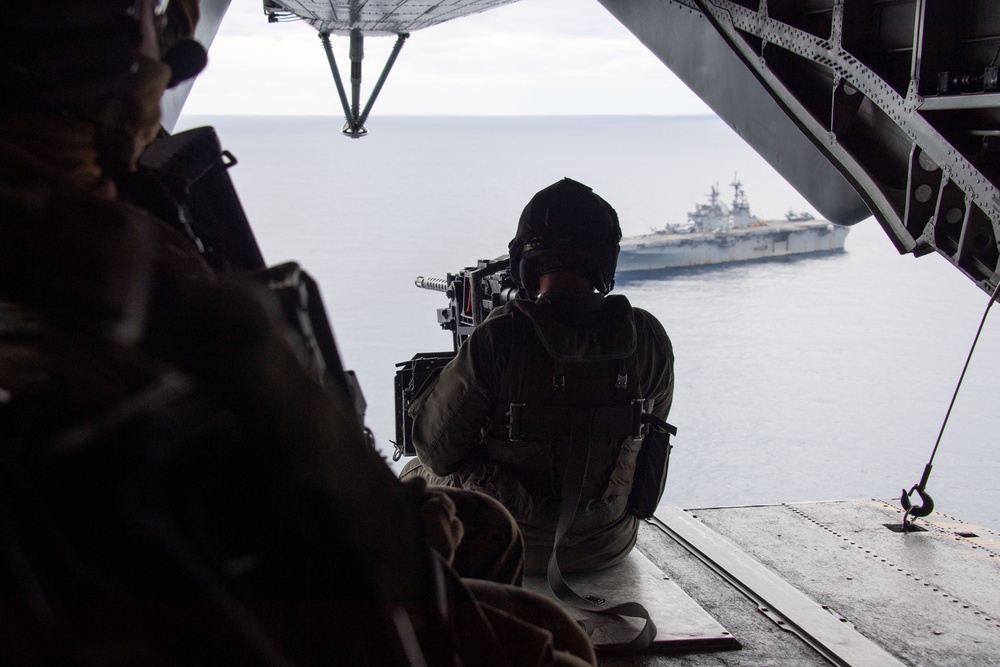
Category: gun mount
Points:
column 472, row 294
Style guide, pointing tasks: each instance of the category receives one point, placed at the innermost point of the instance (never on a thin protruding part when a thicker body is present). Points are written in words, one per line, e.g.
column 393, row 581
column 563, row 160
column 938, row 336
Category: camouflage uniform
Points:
column 460, row 425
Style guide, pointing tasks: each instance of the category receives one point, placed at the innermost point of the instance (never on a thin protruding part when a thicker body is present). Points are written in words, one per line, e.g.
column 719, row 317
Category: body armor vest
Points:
column 569, row 389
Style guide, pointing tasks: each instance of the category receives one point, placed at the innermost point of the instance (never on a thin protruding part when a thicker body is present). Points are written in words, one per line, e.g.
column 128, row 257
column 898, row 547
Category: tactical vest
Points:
column 576, row 389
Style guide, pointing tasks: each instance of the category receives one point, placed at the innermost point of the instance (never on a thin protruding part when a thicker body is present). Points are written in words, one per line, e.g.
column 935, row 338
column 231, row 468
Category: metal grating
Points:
column 383, row 16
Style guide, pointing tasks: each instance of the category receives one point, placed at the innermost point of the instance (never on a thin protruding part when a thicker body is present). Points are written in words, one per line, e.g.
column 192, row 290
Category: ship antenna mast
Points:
column 739, row 197
column 926, row 505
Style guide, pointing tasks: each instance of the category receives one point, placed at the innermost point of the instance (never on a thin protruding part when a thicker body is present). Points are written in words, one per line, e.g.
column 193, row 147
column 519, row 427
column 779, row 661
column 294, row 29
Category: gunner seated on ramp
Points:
column 556, row 404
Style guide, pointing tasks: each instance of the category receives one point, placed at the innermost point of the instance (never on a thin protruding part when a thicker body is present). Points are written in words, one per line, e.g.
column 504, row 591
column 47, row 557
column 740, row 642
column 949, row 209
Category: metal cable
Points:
column 926, row 505
column 964, row 369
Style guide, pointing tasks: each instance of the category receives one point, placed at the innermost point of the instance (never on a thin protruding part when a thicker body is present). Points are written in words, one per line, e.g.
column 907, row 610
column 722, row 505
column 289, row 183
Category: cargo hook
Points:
column 926, row 505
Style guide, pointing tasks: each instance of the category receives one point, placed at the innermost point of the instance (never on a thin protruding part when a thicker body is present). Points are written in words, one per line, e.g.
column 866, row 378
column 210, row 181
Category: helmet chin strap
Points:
column 564, row 282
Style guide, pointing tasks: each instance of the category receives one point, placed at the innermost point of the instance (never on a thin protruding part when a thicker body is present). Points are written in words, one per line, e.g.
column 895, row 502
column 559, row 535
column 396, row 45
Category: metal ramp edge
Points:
column 826, row 632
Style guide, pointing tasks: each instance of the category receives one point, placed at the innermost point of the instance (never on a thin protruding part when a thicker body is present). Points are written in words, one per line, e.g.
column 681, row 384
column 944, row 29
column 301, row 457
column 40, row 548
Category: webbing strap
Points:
column 576, row 472
column 657, row 424
column 550, row 422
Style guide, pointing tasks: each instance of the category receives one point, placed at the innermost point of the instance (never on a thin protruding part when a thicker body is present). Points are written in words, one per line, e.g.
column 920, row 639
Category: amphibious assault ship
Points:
column 716, row 233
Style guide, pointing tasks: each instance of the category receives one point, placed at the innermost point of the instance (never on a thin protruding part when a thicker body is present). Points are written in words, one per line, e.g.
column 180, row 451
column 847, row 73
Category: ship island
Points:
column 717, row 233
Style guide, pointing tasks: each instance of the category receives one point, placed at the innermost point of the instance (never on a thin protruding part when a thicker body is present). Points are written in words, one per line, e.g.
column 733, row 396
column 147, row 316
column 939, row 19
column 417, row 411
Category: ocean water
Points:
column 814, row 378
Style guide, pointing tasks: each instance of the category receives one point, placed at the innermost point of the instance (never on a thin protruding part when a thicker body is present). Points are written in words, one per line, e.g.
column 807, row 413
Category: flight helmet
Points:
column 565, row 228
column 64, row 55
column 93, row 61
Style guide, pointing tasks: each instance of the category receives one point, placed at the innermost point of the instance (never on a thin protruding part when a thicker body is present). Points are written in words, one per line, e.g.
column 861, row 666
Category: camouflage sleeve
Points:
column 656, row 361
column 449, row 415
column 656, row 364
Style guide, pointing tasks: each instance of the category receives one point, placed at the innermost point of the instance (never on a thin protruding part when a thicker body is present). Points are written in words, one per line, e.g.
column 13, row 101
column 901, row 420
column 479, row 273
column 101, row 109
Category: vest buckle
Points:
column 640, row 407
column 514, row 424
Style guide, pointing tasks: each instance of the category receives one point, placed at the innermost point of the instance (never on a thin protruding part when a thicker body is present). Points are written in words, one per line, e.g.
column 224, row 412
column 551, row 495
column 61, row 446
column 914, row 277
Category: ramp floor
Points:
column 682, row 625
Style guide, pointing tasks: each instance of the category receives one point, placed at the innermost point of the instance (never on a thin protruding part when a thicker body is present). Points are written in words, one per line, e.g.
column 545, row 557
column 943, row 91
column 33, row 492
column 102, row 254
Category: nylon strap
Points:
column 572, row 488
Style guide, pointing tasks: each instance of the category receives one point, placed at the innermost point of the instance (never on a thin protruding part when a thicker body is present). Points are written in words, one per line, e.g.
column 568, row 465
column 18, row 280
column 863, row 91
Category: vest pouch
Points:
column 650, row 476
column 496, row 481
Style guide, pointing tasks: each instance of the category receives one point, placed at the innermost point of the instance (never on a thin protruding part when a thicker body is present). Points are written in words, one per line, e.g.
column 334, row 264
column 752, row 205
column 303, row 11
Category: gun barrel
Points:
column 435, row 284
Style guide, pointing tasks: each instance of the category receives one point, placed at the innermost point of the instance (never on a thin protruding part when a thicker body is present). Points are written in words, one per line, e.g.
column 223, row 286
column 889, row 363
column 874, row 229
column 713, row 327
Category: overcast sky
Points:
column 530, row 57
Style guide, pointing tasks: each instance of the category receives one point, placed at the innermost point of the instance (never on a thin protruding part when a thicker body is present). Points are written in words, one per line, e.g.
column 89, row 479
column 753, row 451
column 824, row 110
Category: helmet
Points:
column 66, row 54
column 568, row 228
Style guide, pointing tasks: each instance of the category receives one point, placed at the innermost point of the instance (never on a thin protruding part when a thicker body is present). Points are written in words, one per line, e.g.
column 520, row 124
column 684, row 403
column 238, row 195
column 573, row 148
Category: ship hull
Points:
column 664, row 250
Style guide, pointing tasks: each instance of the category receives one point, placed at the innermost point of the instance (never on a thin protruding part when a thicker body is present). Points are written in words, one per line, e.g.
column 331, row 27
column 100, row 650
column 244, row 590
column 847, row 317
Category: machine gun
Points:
column 472, row 294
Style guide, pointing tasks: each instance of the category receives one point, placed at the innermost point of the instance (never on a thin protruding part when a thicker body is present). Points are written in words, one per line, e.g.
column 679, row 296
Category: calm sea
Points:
column 816, row 378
